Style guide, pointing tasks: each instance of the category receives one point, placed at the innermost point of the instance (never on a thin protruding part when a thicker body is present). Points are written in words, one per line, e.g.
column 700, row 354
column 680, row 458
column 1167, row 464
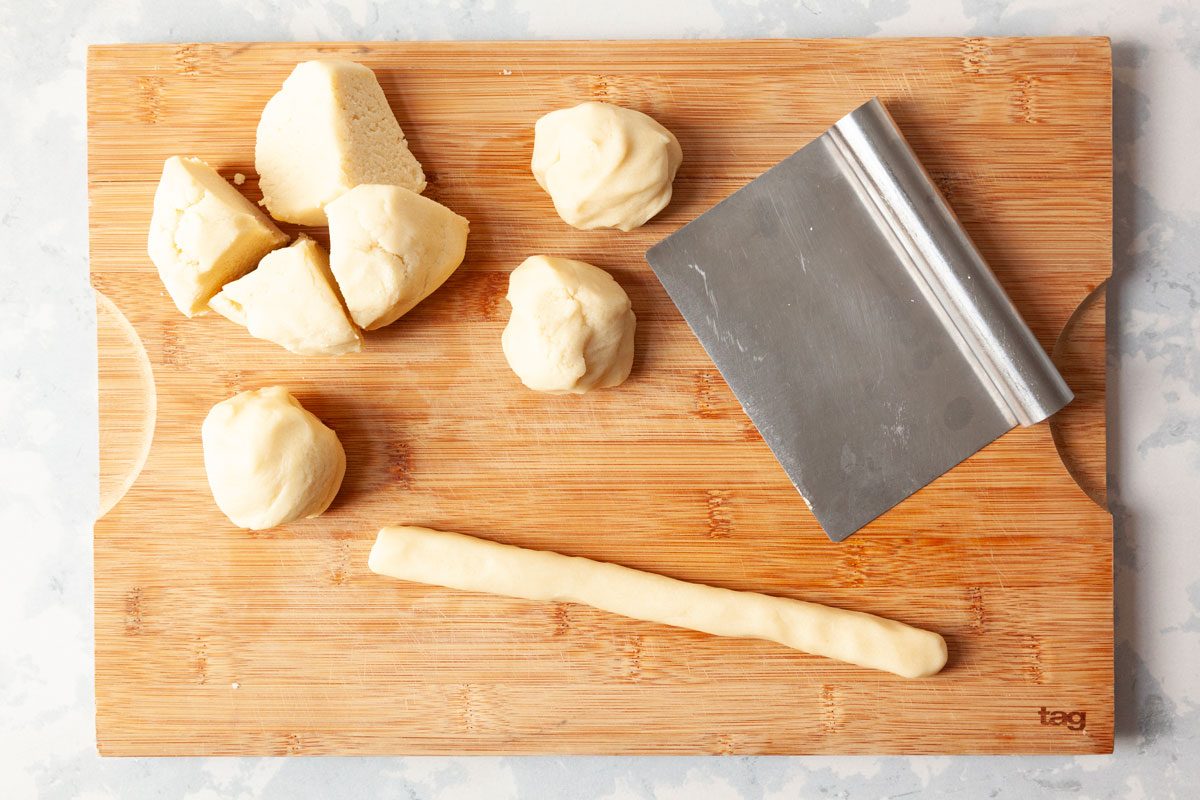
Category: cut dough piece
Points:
column 390, row 249
column 290, row 300
column 479, row 565
column 604, row 166
column 203, row 233
column 269, row 461
column 571, row 328
column 328, row 129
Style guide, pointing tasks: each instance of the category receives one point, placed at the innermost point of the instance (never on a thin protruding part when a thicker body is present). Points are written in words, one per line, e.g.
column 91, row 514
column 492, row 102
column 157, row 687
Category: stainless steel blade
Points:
column 855, row 321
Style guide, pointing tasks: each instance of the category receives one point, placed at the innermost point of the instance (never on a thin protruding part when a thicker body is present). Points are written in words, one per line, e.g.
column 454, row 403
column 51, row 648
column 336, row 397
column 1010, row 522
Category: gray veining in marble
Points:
column 48, row 406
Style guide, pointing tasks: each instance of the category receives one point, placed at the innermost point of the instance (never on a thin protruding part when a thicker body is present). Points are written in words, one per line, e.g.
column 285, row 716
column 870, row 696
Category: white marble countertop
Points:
column 48, row 405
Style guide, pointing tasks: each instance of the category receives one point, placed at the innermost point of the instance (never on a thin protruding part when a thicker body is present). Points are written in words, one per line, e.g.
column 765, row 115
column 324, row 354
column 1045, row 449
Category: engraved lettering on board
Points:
column 1074, row 720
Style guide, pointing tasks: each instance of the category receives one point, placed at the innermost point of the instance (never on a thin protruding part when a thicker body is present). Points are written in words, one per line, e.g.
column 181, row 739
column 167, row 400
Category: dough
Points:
column 478, row 565
column 604, row 166
column 328, row 129
column 390, row 249
column 571, row 327
column 268, row 460
column 203, row 233
column 290, row 300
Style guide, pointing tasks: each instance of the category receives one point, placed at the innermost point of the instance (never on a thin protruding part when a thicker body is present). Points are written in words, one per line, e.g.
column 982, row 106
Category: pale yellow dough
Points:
column 604, row 166
column 571, row 328
column 290, row 300
column 478, row 565
column 204, row 233
column 390, row 249
column 268, row 460
column 327, row 130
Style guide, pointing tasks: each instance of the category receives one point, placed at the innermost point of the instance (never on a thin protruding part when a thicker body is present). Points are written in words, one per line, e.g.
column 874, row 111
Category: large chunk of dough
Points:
column 328, row 129
column 390, row 249
column 270, row 461
column 478, row 565
column 290, row 300
column 203, row 233
column 571, row 328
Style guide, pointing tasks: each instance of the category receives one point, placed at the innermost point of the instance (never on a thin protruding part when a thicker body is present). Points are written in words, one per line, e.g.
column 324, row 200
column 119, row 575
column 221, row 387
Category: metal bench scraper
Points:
column 859, row 327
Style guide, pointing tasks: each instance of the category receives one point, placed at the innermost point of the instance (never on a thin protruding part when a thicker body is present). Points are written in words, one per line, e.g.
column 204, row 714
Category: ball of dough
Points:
column 269, row 461
column 604, row 166
column 571, row 327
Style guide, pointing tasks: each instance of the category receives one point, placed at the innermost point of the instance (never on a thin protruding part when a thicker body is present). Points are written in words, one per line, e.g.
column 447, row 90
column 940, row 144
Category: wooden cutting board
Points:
column 213, row 640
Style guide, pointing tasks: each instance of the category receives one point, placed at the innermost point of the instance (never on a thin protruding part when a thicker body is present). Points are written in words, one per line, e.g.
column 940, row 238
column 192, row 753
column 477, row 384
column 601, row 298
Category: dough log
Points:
column 465, row 562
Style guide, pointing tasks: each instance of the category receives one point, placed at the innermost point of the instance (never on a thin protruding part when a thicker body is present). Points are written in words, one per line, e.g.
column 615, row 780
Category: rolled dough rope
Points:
column 478, row 565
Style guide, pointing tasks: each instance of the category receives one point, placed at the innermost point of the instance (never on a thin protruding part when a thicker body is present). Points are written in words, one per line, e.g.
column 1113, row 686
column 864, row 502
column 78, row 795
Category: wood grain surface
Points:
column 213, row 640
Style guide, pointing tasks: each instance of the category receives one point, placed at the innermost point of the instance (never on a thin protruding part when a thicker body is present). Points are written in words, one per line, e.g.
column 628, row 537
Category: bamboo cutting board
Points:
column 212, row 640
